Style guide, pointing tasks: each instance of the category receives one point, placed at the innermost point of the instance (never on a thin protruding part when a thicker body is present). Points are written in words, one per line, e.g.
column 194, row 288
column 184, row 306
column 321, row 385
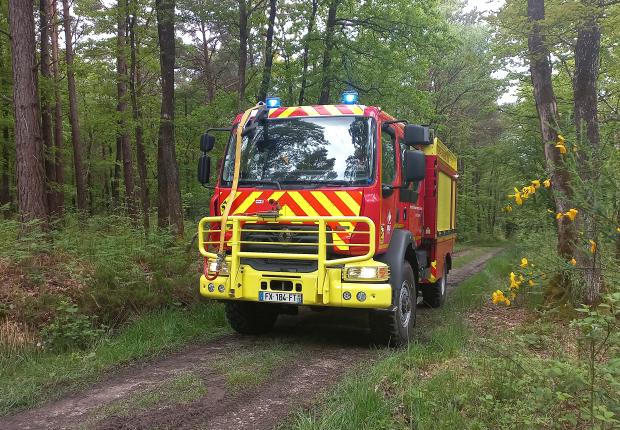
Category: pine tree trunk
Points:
column 135, row 84
column 585, row 98
column 46, row 107
column 31, row 199
column 80, row 181
column 304, row 71
column 5, row 194
column 243, row 51
column 264, row 86
column 327, row 54
column 58, row 128
column 540, row 70
column 121, row 88
column 5, row 111
column 169, row 197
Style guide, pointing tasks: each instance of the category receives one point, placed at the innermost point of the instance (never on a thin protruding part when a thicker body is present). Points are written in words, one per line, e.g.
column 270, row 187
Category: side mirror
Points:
column 415, row 166
column 204, row 169
column 417, row 135
column 207, row 142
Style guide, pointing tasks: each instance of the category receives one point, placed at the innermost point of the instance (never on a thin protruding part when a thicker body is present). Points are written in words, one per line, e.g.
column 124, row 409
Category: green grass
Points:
column 33, row 377
column 391, row 394
column 252, row 366
column 181, row 389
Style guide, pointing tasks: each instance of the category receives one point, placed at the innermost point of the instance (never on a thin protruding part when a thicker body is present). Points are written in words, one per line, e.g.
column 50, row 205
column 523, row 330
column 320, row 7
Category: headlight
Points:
column 370, row 273
column 212, row 268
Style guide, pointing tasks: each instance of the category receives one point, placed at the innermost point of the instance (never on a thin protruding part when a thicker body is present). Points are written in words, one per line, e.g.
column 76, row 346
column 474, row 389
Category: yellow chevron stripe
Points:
column 225, row 201
column 339, row 243
column 349, row 201
column 311, row 111
column 243, row 207
column 287, row 112
column 303, row 204
column 333, row 110
column 356, row 110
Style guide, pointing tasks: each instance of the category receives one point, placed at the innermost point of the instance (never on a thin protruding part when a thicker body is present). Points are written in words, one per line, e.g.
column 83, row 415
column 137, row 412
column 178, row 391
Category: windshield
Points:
column 331, row 149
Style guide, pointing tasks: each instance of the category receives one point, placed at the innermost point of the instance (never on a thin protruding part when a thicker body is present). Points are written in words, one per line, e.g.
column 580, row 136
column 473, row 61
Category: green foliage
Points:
column 70, row 329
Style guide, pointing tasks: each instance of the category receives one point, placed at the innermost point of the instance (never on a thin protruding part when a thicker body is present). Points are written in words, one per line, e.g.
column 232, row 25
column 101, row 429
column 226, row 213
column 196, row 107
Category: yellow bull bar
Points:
column 235, row 225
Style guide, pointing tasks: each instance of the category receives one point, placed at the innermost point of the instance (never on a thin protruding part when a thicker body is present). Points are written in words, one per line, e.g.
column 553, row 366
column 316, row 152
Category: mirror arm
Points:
column 229, row 129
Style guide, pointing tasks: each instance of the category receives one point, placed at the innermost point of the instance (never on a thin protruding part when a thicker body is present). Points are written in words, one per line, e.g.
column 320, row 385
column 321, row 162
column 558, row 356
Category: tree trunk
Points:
column 169, row 193
column 306, row 51
column 46, row 107
column 58, row 135
column 264, row 86
column 135, row 84
column 540, row 70
column 243, row 51
column 585, row 98
column 80, row 182
column 5, row 194
column 31, row 201
column 121, row 89
column 5, row 111
column 327, row 54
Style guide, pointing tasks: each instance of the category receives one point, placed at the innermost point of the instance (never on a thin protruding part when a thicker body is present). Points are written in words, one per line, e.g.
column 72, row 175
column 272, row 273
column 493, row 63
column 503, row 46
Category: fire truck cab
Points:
column 335, row 205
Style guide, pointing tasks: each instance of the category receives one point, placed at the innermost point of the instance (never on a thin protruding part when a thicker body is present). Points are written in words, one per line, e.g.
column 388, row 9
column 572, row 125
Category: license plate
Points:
column 268, row 296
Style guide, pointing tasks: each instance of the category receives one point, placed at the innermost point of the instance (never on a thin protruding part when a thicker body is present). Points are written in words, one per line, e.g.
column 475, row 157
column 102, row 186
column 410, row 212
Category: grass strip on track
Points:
column 409, row 388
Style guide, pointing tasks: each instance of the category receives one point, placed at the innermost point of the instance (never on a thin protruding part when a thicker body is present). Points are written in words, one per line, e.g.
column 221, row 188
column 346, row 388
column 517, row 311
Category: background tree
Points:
column 169, row 195
column 31, row 196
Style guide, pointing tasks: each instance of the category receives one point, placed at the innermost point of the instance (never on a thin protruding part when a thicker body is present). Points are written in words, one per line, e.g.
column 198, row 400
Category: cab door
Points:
column 389, row 185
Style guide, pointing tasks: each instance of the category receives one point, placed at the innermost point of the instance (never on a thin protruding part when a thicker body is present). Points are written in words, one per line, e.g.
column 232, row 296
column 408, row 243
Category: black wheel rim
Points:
column 405, row 305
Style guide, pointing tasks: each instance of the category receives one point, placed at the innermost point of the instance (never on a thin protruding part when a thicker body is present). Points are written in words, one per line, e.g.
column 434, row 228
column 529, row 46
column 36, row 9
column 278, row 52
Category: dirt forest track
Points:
column 305, row 355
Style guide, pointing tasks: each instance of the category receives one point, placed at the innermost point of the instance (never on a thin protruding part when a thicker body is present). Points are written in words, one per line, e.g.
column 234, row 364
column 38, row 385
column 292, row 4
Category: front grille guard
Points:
column 209, row 234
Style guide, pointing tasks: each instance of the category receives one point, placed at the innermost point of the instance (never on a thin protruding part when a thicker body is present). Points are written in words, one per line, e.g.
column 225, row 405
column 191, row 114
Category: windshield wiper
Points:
column 260, row 182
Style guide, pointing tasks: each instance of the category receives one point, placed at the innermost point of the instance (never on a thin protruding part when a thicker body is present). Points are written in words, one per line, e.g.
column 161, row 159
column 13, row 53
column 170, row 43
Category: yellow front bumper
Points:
column 378, row 295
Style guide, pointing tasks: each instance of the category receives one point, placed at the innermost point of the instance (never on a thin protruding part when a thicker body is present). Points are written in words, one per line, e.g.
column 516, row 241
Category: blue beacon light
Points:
column 273, row 102
column 349, row 97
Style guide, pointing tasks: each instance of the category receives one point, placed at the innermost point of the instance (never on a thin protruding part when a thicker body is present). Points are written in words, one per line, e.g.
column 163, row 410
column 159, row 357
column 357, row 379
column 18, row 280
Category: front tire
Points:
column 395, row 327
column 250, row 317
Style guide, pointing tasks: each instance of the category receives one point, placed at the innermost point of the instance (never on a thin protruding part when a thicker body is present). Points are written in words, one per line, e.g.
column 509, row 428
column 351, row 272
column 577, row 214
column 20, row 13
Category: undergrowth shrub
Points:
column 70, row 329
column 106, row 267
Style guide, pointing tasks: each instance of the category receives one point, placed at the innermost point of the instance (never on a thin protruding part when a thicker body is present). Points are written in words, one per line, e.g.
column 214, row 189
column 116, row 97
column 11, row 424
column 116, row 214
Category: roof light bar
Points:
column 349, row 97
column 273, row 102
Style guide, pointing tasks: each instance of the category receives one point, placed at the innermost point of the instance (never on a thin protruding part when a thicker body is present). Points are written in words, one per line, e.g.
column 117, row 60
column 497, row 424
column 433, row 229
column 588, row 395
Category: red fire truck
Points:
column 328, row 205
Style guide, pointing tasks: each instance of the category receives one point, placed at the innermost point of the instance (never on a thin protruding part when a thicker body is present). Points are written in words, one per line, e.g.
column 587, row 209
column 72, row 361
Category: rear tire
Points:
column 251, row 317
column 395, row 327
column 435, row 294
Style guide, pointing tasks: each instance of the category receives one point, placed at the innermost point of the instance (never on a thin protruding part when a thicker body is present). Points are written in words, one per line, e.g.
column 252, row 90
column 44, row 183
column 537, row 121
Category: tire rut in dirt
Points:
column 294, row 386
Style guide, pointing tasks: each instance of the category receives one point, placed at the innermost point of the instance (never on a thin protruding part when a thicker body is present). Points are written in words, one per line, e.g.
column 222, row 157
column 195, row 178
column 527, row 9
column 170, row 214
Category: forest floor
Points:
column 234, row 381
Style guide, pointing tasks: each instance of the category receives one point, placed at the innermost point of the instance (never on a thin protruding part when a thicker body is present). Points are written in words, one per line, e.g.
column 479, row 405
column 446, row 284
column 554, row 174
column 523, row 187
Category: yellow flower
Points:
column 517, row 196
column 507, row 301
column 536, row 183
column 514, row 283
column 559, row 215
column 523, row 262
column 560, row 140
column 531, row 283
column 497, row 296
column 592, row 246
column 573, row 261
column 561, row 148
column 618, row 229
column 547, row 183
column 572, row 213
column 507, row 208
